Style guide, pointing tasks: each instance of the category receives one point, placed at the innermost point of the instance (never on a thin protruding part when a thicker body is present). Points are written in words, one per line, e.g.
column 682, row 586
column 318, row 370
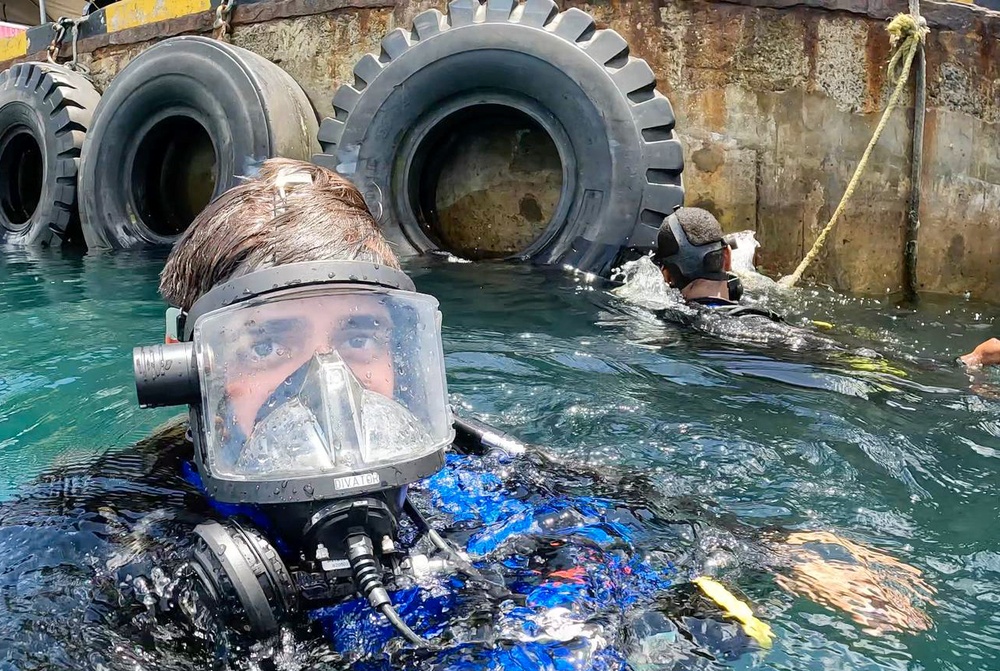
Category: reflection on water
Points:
column 878, row 439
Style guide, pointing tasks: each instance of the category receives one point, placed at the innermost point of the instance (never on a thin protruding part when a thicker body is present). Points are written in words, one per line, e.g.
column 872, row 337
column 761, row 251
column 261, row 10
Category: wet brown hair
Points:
column 278, row 217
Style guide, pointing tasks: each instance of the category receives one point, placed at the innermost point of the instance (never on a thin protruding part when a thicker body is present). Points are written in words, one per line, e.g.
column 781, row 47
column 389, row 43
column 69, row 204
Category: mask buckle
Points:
column 174, row 318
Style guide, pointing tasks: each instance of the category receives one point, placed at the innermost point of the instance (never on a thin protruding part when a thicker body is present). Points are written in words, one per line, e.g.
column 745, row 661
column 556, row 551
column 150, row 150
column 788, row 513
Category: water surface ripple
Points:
column 881, row 440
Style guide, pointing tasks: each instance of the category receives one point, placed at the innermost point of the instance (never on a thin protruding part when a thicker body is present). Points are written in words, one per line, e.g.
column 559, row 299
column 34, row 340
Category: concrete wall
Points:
column 776, row 101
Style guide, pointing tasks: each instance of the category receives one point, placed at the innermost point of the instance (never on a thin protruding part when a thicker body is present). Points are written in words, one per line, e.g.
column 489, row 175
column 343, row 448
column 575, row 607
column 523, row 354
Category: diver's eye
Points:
column 264, row 350
column 361, row 342
column 270, row 341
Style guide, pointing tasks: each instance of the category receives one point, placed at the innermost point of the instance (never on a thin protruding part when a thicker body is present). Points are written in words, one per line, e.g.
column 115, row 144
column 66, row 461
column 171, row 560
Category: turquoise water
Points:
column 898, row 453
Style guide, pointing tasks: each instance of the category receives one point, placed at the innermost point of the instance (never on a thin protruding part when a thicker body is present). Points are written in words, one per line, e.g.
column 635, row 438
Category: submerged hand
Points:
column 878, row 591
column 986, row 354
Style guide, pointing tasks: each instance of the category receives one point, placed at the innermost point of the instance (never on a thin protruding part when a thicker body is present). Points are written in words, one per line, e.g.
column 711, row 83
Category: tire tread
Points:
column 651, row 112
column 67, row 101
column 538, row 13
column 499, row 11
column 574, row 25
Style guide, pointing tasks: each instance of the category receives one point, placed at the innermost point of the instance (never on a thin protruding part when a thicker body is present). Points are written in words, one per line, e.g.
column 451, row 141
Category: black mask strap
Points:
column 688, row 262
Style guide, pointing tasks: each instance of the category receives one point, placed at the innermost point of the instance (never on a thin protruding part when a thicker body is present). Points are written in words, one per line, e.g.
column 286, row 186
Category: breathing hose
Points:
column 461, row 563
column 396, row 621
column 361, row 555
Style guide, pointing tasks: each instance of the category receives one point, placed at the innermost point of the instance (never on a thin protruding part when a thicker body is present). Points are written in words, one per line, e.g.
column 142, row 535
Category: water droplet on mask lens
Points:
column 353, row 278
column 308, row 489
column 368, row 375
column 222, row 550
column 277, row 490
column 284, row 483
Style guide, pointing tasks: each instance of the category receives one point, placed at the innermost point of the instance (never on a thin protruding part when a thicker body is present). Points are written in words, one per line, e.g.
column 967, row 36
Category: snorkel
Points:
column 316, row 394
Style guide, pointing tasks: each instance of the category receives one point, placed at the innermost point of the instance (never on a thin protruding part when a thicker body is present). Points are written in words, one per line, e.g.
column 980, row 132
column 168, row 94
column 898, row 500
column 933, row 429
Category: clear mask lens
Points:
column 322, row 381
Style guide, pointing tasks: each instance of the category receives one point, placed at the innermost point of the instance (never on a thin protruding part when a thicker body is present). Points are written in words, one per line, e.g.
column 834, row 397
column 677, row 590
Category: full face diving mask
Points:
column 317, row 393
column 687, row 262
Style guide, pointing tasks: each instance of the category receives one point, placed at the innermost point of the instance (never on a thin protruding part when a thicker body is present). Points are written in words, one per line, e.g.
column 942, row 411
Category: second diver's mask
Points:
column 317, row 393
column 687, row 263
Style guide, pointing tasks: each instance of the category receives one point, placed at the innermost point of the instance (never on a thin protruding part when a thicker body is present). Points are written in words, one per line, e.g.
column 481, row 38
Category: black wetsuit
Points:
column 735, row 309
column 745, row 324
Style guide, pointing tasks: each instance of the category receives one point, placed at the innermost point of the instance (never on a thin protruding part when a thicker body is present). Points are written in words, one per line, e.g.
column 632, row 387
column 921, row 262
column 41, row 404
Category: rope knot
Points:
column 905, row 26
column 906, row 34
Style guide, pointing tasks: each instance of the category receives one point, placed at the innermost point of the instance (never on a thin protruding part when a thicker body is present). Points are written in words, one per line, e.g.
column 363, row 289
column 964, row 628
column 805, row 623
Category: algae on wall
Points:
column 776, row 105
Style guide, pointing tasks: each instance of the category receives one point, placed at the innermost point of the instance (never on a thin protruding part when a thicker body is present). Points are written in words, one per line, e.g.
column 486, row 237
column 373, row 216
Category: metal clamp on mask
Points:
column 317, row 394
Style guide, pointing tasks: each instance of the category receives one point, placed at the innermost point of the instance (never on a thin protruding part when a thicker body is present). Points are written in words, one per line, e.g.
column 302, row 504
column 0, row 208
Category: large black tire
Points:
column 45, row 111
column 176, row 128
column 620, row 160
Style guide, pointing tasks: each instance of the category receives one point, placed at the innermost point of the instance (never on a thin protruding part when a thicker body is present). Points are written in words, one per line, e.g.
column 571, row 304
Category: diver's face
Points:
column 276, row 340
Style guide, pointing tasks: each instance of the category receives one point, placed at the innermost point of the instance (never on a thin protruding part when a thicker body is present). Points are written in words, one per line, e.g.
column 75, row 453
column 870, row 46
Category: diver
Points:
column 322, row 437
column 695, row 258
column 322, row 479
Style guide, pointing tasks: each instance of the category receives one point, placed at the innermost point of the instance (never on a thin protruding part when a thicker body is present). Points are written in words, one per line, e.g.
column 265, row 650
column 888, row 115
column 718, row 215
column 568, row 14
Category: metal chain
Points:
column 221, row 27
column 62, row 25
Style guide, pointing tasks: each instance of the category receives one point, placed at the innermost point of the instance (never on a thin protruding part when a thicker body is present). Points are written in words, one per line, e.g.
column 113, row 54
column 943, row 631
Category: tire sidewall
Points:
column 17, row 111
column 606, row 147
column 194, row 77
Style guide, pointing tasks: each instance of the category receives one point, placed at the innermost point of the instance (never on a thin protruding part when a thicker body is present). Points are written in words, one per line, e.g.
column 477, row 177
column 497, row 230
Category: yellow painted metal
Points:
column 133, row 13
column 13, row 47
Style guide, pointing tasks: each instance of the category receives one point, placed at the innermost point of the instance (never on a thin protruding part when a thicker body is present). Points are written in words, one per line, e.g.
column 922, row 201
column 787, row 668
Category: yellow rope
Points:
column 907, row 33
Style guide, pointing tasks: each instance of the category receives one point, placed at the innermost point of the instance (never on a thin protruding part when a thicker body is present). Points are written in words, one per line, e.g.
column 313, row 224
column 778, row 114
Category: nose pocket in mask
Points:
column 321, row 418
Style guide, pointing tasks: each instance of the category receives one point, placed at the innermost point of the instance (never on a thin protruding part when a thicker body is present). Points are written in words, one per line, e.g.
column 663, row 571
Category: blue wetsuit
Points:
column 574, row 566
